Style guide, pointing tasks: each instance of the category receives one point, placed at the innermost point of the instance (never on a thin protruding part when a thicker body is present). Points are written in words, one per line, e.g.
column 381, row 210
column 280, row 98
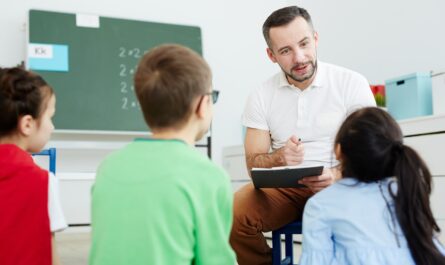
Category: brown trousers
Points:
column 262, row 210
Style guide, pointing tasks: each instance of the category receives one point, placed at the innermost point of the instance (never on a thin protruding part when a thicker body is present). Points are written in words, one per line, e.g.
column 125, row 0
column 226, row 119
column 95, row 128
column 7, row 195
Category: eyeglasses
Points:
column 215, row 94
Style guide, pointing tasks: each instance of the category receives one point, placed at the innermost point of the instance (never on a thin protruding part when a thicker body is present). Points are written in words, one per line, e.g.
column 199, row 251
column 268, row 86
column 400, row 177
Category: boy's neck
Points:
column 185, row 135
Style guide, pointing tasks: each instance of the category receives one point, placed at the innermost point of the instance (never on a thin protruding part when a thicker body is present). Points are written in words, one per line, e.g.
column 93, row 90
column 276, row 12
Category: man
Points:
column 291, row 120
column 158, row 200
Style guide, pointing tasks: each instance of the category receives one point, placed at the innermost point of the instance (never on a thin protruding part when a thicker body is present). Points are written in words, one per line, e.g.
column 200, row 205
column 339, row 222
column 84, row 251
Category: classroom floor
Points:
column 74, row 245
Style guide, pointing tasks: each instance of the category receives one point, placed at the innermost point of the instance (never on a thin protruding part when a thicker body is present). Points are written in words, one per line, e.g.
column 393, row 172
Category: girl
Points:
column 29, row 206
column 379, row 213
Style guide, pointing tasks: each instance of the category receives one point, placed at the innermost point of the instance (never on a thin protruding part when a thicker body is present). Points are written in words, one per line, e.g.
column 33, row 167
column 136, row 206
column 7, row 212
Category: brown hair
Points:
column 21, row 93
column 283, row 17
column 167, row 81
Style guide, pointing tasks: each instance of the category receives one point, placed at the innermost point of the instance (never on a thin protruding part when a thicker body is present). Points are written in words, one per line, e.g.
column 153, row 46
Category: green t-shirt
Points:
column 159, row 202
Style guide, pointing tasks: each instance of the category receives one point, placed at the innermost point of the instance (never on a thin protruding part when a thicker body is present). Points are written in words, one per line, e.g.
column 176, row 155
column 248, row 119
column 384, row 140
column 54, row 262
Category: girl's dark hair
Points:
column 372, row 149
column 21, row 93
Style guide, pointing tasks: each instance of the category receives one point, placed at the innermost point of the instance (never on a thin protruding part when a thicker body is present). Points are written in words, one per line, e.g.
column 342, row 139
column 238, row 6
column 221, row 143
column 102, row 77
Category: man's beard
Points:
column 307, row 76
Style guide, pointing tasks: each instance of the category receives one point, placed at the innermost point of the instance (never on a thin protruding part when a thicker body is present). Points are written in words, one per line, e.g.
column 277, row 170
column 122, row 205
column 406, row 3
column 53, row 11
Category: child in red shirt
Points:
column 27, row 200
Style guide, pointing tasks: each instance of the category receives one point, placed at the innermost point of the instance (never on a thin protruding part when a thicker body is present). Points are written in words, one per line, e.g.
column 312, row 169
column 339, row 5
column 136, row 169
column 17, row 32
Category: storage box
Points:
column 438, row 81
column 409, row 96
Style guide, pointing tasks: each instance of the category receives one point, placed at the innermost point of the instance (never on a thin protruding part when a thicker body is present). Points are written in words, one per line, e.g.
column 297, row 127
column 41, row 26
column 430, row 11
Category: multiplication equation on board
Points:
column 128, row 60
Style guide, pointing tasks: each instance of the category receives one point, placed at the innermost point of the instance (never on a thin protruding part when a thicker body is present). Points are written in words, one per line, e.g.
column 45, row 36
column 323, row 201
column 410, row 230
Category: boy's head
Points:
column 174, row 85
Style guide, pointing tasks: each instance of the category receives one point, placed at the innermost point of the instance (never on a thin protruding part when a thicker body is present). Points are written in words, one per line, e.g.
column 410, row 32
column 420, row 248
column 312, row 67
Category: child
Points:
column 158, row 200
column 379, row 213
column 29, row 206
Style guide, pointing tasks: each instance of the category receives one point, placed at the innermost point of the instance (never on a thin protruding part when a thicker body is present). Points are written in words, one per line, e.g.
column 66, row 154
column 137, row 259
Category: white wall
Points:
column 232, row 43
column 381, row 39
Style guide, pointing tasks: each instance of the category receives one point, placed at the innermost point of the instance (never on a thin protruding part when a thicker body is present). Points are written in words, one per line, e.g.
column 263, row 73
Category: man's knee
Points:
column 249, row 205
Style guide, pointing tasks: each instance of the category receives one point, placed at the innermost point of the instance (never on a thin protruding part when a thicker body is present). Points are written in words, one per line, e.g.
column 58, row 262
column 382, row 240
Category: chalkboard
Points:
column 96, row 58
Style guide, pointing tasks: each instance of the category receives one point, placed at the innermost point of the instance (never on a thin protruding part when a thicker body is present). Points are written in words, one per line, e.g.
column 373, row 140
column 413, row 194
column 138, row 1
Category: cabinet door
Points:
column 236, row 167
column 441, row 224
column 75, row 197
column 438, row 198
column 431, row 148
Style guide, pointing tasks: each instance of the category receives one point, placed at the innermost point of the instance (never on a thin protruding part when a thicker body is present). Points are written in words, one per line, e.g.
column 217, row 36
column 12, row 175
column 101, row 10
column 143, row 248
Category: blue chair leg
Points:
column 276, row 248
column 289, row 248
column 288, row 230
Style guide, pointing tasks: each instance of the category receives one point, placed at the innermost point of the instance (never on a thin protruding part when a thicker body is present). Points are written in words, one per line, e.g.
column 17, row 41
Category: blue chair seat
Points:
column 288, row 231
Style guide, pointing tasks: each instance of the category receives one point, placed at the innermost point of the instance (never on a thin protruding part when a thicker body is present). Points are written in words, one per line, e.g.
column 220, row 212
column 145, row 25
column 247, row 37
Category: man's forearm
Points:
column 264, row 160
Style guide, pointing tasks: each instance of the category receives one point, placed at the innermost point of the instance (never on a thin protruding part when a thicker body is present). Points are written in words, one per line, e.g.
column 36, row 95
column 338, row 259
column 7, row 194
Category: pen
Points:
column 307, row 141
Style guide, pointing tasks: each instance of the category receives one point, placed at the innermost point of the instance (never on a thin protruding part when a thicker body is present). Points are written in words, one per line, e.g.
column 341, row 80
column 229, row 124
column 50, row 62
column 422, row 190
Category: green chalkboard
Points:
column 96, row 91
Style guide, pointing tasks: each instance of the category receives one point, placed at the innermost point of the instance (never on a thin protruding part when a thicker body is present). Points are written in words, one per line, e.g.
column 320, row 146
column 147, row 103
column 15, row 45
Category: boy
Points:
column 158, row 200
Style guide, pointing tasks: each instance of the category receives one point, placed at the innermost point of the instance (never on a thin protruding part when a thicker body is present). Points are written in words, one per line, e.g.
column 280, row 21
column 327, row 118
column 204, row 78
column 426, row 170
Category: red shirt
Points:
column 25, row 236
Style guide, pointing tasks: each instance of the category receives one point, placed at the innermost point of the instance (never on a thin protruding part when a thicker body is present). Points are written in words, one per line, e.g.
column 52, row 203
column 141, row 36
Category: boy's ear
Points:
column 26, row 125
column 202, row 107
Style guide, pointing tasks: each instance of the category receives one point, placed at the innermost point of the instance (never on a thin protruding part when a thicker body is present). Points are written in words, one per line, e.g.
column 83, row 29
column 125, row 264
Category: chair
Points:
column 288, row 230
column 51, row 152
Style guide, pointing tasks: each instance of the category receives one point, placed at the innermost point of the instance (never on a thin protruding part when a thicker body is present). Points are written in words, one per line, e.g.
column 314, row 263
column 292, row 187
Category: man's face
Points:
column 294, row 48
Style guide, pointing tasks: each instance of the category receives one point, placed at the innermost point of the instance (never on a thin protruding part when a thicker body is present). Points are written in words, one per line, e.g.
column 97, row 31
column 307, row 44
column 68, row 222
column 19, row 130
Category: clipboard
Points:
column 282, row 177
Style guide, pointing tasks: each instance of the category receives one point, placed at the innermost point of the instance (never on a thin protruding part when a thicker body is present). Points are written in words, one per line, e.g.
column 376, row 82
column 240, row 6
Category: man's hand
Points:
column 317, row 183
column 257, row 148
column 292, row 153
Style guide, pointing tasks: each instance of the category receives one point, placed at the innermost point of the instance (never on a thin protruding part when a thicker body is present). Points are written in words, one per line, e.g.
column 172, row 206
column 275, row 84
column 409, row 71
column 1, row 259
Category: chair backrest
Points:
column 51, row 152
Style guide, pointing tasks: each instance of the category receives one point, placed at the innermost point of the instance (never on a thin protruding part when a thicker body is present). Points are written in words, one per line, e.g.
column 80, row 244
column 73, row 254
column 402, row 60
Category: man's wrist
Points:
column 278, row 157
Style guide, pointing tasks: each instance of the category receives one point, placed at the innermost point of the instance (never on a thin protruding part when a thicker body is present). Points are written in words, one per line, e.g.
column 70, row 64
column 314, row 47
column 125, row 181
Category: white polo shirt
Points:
column 314, row 114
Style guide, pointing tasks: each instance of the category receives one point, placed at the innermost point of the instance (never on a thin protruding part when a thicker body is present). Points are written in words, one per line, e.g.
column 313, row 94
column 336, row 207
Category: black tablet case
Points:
column 283, row 178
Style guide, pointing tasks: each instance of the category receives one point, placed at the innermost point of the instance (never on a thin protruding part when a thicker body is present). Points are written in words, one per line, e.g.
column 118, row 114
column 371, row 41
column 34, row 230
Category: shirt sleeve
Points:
column 439, row 246
column 214, row 224
column 254, row 115
column 56, row 217
column 318, row 246
column 359, row 94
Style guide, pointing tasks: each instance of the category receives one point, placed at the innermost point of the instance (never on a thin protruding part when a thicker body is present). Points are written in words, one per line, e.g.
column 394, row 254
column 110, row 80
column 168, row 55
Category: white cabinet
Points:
column 234, row 163
column 427, row 136
column 431, row 148
column 75, row 196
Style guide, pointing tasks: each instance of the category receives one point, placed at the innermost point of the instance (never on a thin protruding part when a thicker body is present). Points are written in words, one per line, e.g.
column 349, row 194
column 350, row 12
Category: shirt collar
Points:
column 150, row 139
column 319, row 79
column 354, row 181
